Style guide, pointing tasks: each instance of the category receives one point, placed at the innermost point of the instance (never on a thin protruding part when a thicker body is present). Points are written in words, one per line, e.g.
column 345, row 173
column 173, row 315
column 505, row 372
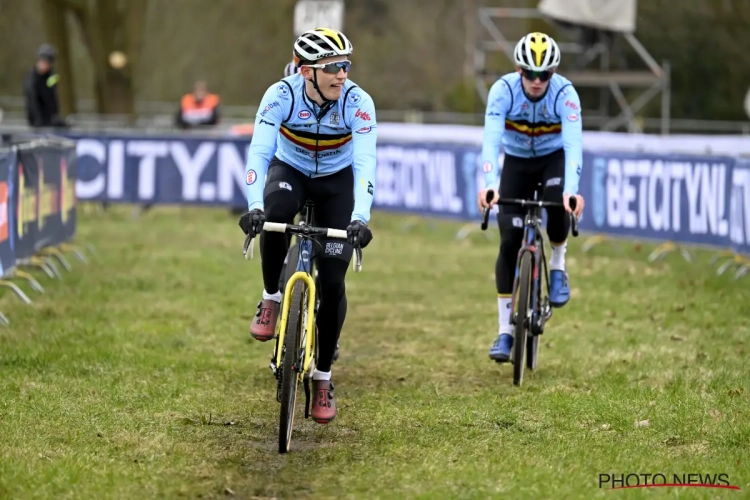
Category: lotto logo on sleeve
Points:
column 251, row 177
column 487, row 167
column 571, row 105
column 362, row 114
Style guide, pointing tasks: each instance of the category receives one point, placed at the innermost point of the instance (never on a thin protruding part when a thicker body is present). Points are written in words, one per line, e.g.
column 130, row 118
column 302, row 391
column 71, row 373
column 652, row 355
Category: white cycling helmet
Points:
column 313, row 45
column 290, row 69
column 537, row 52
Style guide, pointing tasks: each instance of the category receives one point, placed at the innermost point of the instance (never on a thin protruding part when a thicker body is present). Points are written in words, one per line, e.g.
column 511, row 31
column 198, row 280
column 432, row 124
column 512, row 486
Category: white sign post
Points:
column 310, row 14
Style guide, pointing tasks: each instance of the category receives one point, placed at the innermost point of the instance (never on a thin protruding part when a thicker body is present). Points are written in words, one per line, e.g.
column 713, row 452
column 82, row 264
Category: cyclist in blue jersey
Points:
column 322, row 129
column 290, row 69
column 535, row 114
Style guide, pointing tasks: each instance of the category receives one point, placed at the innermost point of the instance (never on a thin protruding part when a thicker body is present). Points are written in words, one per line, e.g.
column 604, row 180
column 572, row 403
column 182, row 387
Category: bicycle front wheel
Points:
column 290, row 267
column 290, row 355
column 532, row 351
column 523, row 300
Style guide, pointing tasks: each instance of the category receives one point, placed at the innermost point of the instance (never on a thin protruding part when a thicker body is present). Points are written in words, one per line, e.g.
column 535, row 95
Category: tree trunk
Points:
column 104, row 32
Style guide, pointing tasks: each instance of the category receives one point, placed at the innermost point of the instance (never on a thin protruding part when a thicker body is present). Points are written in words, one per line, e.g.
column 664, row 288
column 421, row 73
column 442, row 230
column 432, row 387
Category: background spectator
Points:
column 40, row 91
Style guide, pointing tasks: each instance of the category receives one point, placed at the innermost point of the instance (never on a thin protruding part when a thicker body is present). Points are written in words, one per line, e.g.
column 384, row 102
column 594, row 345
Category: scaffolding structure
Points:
column 653, row 81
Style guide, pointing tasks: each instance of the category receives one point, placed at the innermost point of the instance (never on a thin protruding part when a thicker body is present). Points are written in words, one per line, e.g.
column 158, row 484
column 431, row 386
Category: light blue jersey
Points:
column 529, row 129
column 316, row 141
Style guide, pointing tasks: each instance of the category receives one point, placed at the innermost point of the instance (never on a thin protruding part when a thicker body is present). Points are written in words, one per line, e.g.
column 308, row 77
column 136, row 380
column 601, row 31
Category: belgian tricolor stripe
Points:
column 309, row 140
column 533, row 129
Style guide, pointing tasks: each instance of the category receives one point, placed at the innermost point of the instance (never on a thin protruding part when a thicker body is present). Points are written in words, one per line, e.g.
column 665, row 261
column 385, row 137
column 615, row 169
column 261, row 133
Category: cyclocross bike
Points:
column 289, row 269
column 530, row 300
column 295, row 351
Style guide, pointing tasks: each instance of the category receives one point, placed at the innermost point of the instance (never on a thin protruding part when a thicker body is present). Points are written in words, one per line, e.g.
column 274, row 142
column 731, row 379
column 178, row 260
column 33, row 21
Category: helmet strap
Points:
column 317, row 88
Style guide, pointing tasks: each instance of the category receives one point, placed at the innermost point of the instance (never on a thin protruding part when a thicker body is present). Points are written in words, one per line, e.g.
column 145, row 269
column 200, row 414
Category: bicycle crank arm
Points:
column 306, row 381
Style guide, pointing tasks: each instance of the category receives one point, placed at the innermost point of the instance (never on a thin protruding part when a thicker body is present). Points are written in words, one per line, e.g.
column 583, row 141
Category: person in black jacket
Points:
column 40, row 91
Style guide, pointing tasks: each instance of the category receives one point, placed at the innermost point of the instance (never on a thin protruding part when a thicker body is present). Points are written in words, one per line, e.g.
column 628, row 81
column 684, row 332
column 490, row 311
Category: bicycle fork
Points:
column 540, row 310
column 304, row 364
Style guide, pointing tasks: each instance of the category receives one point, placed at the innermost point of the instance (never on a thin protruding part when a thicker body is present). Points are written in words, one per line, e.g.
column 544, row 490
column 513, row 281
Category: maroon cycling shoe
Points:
column 324, row 406
column 263, row 327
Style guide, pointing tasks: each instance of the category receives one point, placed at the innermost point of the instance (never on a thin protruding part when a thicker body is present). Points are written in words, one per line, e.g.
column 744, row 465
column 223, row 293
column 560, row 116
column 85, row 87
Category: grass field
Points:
column 135, row 377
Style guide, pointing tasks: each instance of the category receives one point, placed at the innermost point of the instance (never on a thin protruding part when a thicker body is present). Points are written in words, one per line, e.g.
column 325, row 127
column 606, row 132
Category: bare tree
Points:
column 113, row 33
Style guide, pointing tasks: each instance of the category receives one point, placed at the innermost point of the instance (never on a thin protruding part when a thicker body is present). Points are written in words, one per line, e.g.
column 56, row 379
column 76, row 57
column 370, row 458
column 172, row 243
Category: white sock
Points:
column 319, row 375
column 503, row 316
column 557, row 262
column 276, row 297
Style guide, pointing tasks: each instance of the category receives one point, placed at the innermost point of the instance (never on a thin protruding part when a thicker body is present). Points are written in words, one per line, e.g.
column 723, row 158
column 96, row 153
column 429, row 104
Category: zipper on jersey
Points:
column 533, row 152
column 317, row 140
column 319, row 116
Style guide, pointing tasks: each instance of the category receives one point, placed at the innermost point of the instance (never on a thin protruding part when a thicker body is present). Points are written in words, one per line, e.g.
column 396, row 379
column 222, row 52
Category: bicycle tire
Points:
column 532, row 351
column 289, row 378
column 521, row 328
column 290, row 267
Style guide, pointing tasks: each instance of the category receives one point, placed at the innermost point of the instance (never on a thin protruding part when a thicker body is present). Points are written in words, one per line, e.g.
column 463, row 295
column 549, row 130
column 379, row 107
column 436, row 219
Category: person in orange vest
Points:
column 199, row 108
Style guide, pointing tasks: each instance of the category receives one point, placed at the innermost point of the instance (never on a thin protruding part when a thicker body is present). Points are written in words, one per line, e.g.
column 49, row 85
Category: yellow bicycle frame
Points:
column 309, row 327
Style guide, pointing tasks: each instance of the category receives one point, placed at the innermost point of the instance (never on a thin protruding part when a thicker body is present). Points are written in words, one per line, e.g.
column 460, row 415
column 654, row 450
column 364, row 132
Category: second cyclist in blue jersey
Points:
column 314, row 138
column 535, row 114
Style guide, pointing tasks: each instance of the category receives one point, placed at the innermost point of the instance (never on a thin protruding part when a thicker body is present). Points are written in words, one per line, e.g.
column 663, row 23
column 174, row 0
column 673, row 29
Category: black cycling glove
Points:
column 359, row 235
column 252, row 222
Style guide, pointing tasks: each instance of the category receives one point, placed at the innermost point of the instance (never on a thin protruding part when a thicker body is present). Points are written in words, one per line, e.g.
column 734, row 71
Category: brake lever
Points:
column 485, row 218
column 573, row 201
column 486, row 213
column 357, row 259
column 248, row 246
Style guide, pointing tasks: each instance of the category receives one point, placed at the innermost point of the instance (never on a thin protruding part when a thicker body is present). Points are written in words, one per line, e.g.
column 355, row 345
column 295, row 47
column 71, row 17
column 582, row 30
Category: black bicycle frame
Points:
column 533, row 242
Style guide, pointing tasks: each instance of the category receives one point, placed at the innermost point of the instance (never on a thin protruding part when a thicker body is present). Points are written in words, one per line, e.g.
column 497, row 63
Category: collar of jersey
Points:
column 311, row 105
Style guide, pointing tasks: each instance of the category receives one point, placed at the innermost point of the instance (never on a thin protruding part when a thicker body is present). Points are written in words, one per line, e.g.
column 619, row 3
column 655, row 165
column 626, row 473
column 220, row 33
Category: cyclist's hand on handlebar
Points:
column 578, row 205
column 483, row 195
column 359, row 235
column 252, row 222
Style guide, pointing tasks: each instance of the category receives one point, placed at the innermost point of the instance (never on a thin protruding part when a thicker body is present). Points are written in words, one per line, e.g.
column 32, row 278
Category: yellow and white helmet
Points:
column 319, row 43
column 537, row 52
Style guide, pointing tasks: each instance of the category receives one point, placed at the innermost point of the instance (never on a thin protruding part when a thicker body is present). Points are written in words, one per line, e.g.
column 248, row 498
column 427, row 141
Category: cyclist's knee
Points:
column 511, row 232
column 553, row 190
column 280, row 206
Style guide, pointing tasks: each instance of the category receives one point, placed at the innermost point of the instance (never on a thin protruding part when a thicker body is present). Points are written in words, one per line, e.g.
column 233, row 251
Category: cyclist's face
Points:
column 535, row 87
column 330, row 84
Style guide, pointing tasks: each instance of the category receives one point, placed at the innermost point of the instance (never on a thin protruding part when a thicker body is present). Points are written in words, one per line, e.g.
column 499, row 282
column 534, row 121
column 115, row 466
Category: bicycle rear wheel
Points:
column 289, row 359
column 523, row 299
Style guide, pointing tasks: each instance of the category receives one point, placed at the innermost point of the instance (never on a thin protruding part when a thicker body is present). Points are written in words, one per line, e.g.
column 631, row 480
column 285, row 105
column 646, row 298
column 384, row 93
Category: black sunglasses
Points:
column 533, row 75
column 333, row 68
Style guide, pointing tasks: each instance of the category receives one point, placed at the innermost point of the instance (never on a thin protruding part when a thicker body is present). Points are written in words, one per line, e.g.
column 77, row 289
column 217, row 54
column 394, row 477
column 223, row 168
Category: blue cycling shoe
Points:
column 500, row 350
column 559, row 291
